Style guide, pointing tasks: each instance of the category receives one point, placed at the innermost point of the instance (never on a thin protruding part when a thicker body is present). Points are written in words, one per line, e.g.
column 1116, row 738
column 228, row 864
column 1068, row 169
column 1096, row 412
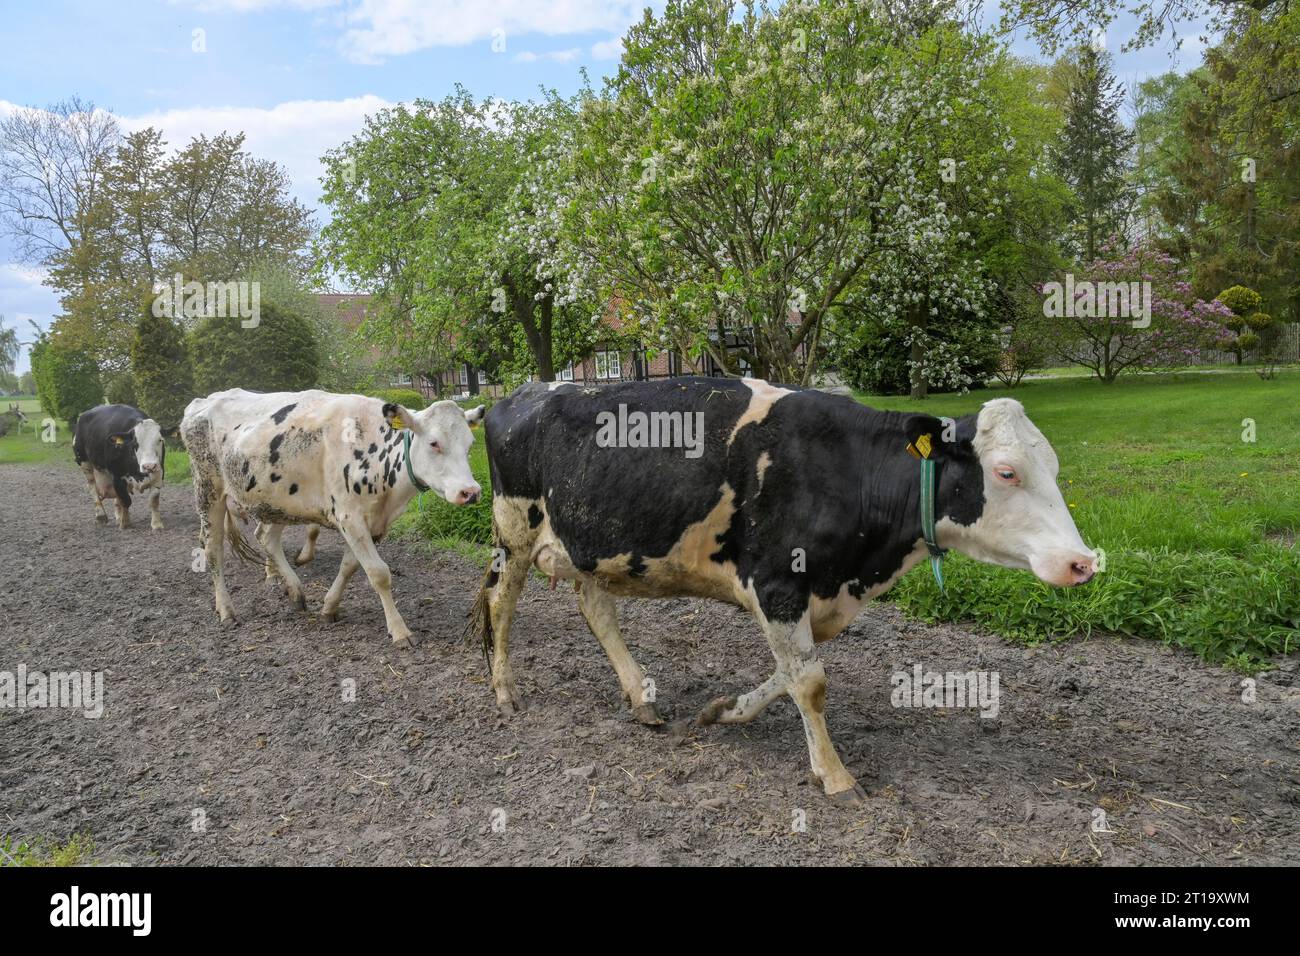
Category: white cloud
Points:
column 610, row 49
column 23, row 297
column 382, row 28
column 295, row 134
column 555, row 56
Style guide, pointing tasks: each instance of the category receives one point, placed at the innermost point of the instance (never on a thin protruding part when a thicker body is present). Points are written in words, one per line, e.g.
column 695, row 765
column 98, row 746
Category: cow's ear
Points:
column 397, row 417
column 118, row 439
column 172, row 432
column 475, row 415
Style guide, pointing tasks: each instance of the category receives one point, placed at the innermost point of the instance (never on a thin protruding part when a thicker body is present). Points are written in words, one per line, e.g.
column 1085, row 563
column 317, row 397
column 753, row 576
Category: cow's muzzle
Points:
column 1065, row 569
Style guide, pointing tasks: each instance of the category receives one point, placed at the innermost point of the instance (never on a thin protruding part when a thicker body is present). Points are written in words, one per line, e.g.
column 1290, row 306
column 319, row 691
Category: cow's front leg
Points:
column 601, row 612
column 155, row 511
column 357, row 535
column 805, row 681
column 123, row 515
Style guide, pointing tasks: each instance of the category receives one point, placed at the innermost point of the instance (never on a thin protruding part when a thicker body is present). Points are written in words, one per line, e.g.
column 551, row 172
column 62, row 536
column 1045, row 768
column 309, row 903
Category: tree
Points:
column 447, row 214
column 9, row 348
column 1233, row 205
column 110, row 216
column 1252, row 329
column 161, row 368
column 278, row 354
column 1051, row 22
column 1133, row 309
column 1093, row 154
column 746, row 171
column 67, row 379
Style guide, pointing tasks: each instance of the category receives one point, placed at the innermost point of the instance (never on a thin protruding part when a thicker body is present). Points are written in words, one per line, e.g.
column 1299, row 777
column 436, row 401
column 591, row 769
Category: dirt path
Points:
column 248, row 726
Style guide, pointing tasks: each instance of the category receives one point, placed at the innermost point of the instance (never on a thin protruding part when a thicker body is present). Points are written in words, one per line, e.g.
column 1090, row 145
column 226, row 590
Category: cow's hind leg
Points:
column 269, row 536
column 743, row 709
column 601, row 612
column 358, row 538
column 212, row 528
column 308, row 550
column 89, row 469
column 501, row 588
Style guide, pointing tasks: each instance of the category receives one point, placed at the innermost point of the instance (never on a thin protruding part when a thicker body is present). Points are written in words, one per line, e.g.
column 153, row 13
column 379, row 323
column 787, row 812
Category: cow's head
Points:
column 139, row 449
column 440, row 443
column 1024, row 522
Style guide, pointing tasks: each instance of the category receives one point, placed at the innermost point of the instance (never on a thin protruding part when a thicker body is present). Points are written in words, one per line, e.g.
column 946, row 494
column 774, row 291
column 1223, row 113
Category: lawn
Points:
column 1198, row 525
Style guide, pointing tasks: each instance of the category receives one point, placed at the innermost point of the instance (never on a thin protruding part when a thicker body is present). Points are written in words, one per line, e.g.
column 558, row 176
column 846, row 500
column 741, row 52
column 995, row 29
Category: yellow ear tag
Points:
column 119, row 440
column 920, row 448
column 396, row 422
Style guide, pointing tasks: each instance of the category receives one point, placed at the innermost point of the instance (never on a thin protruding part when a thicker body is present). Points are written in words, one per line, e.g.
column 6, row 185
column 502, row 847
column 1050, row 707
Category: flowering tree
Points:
column 1133, row 309
column 746, row 172
column 447, row 212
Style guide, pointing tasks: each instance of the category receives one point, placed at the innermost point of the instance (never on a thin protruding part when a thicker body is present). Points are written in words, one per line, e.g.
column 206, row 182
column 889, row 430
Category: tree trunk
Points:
column 471, row 377
column 920, row 387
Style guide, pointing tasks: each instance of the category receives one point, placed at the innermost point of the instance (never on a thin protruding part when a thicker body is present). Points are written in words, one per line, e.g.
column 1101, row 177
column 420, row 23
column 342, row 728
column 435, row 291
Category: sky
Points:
column 299, row 76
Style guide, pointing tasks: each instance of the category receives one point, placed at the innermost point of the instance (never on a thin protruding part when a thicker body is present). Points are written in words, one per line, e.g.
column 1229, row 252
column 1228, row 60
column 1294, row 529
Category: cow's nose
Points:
column 467, row 496
column 149, row 469
column 1081, row 572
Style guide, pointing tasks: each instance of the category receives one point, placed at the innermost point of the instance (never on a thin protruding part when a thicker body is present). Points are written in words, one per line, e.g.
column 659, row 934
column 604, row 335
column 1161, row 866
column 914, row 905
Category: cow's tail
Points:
column 239, row 545
column 480, row 615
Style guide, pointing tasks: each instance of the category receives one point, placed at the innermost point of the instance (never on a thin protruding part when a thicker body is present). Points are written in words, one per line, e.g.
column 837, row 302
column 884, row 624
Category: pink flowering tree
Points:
column 1132, row 309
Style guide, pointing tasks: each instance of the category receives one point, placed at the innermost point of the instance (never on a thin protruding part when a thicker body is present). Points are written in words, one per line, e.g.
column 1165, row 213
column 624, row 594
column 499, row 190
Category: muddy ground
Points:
column 245, row 729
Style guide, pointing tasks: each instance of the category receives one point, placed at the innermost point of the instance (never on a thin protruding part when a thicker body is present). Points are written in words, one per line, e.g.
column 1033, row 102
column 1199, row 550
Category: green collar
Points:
column 929, row 478
column 406, row 456
column 920, row 449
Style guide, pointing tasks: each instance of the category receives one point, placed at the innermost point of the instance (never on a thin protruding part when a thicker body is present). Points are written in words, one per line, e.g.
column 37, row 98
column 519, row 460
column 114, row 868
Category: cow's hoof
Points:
column 228, row 620
column 156, row 526
column 300, row 560
column 714, row 709
column 648, row 714
column 101, row 518
column 300, row 602
column 409, row 641
column 852, row 797
column 329, row 617
column 509, row 707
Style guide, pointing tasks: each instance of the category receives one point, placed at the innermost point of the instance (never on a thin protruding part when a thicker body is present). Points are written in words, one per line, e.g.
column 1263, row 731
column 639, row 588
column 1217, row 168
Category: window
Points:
column 464, row 375
column 402, row 378
column 566, row 373
column 482, row 377
column 608, row 365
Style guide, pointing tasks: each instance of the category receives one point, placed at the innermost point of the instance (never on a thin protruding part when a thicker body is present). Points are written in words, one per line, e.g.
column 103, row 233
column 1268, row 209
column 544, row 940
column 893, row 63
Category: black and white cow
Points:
column 795, row 505
column 337, row 461
column 122, row 452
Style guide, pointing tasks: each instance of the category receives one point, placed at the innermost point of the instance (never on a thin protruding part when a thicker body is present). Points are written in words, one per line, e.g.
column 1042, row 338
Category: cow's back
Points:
column 657, row 520
column 276, row 453
column 93, row 427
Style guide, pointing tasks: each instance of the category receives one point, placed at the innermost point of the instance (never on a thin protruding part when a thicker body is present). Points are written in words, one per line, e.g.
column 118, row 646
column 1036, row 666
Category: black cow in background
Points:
column 121, row 450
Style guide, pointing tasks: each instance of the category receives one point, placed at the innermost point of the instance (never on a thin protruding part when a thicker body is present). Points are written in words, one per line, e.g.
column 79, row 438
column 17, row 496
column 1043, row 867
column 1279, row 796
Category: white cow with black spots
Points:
column 339, row 461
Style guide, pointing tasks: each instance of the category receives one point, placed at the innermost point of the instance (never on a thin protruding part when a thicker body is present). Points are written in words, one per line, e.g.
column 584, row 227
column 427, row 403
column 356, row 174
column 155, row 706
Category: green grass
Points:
column 76, row 852
column 26, row 447
column 1196, row 523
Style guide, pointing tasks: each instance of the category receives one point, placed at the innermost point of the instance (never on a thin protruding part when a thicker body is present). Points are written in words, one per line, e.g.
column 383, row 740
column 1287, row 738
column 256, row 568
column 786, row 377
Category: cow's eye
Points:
column 435, row 446
column 1006, row 474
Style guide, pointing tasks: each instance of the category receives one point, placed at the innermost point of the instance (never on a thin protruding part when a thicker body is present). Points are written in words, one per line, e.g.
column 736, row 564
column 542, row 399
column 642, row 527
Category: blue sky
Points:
column 298, row 76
